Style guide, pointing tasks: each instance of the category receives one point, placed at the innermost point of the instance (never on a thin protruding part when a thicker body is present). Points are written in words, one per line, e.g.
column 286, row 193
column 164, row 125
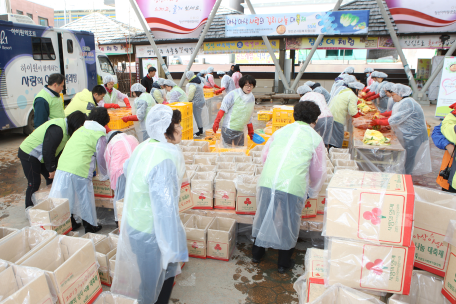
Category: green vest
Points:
column 288, row 161
column 144, row 158
column 79, row 150
column 148, row 99
column 55, row 104
column 110, row 98
column 241, row 113
column 183, row 97
column 80, row 102
column 33, row 144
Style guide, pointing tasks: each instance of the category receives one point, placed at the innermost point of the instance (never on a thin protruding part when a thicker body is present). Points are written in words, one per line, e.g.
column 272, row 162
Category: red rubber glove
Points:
column 453, row 106
column 107, row 129
column 381, row 122
column 369, row 95
column 127, row 102
column 357, row 115
column 373, row 97
column 219, row 91
column 217, row 120
column 208, row 87
column 215, row 85
column 250, row 130
column 130, row 118
column 387, row 114
column 111, row 106
column 365, row 90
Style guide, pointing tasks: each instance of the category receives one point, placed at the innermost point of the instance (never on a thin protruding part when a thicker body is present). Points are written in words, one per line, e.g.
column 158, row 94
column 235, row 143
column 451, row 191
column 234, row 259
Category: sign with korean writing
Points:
column 255, row 58
column 417, row 42
column 239, row 46
column 336, row 43
column 176, row 18
column 447, row 92
column 167, row 49
column 346, row 22
column 413, row 16
column 115, row 49
column 423, row 70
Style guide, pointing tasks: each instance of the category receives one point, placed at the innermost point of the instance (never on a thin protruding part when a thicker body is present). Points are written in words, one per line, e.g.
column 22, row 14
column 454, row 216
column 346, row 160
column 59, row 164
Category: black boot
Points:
column 199, row 133
column 74, row 225
column 90, row 228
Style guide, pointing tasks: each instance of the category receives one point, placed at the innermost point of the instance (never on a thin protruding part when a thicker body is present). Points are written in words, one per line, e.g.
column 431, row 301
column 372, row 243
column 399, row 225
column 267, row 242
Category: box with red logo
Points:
column 449, row 284
column 310, row 208
column 225, row 191
column 221, row 238
column 51, row 214
column 246, row 186
column 202, row 190
column 196, row 231
column 102, row 188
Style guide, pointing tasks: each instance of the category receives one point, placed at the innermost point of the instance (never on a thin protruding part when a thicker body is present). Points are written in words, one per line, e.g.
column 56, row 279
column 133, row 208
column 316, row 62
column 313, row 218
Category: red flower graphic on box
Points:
column 323, row 201
column 375, row 216
column 217, row 247
column 308, row 204
column 194, row 245
column 376, row 266
column 202, row 197
column 248, row 201
column 225, row 196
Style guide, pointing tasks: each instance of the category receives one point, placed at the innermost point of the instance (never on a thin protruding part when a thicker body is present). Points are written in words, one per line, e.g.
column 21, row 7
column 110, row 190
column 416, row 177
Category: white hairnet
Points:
column 157, row 121
column 170, row 83
column 161, row 81
column 137, row 87
column 309, row 83
column 303, row 89
column 108, row 78
column 379, row 74
column 356, row 85
column 401, row 90
column 220, row 73
column 368, row 70
column 349, row 70
column 203, row 72
column 388, row 86
column 210, row 70
column 349, row 79
column 189, row 75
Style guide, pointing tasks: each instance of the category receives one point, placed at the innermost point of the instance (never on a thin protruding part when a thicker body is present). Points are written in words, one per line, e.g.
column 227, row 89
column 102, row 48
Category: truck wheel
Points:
column 28, row 129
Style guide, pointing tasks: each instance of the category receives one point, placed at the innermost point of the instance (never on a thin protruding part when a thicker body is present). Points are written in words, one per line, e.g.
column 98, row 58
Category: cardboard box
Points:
column 233, row 153
column 202, row 190
column 255, row 154
column 337, row 168
column 257, row 161
column 3, row 265
column 102, row 188
column 245, row 168
column 310, row 208
column 372, row 206
column 336, row 156
column 112, row 266
column 71, row 264
column 226, row 167
column 119, row 209
column 204, row 145
column 94, row 237
column 339, row 150
column 208, row 153
column 18, row 247
column 185, row 197
column 383, row 267
column 221, row 238
column 344, row 163
column 105, row 250
column 206, row 168
column 433, row 211
column 449, row 285
column 184, row 217
column 188, row 157
column 205, row 159
column 321, row 199
column 226, row 158
column 196, row 230
column 107, row 297
column 339, row 294
column 243, row 159
column 246, row 186
column 114, row 233
column 6, row 232
column 185, row 143
column 191, row 167
column 258, row 170
column 329, row 164
column 257, row 149
column 51, row 214
column 24, row 285
column 41, row 195
column 315, row 271
column 193, row 149
column 190, row 174
column 73, row 233
column 225, row 191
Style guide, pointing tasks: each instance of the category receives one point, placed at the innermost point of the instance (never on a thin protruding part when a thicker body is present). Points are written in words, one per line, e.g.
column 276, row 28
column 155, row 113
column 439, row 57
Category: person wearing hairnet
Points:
column 210, row 79
column 195, row 95
column 347, row 71
column 142, row 105
column 345, row 103
column 153, row 240
column 408, row 123
column 317, row 88
column 236, row 76
column 112, row 96
column 338, row 84
column 86, row 100
column 368, row 72
column 238, row 106
column 158, row 92
column 294, row 170
column 119, row 149
column 325, row 119
column 346, row 79
column 83, row 153
column 381, row 100
column 175, row 93
column 227, row 83
column 202, row 76
column 387, row 90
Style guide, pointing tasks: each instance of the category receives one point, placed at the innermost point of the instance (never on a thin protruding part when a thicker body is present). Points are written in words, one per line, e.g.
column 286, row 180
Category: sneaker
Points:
column 93, row 229
column 284, row 269
column 75, row 225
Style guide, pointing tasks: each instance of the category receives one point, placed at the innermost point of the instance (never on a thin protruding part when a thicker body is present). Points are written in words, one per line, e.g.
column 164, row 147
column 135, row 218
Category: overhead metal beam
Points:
column 151, row 39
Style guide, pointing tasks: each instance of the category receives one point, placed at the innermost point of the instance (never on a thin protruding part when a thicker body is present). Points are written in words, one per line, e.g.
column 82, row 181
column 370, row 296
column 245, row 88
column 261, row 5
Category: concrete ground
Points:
column 201, row 281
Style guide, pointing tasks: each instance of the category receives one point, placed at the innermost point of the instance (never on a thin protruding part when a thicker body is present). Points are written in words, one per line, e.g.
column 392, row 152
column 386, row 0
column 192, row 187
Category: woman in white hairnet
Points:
column 195, row 95
column 158, row 92
column 294, row 169
column 175, row 93
column 119, row 149
column 408, row 123
column 227, row 83
column 210, row 79
column 368, row 72
column 347, row 71
column 143, row 103
column 388, row 91
column 346, row 79
column 112, row 96
column 325, row 119
column 238, row 106
column 152, row 238
column 202, row 76
column 345, row 103
column 317, row 88
column 381, row 100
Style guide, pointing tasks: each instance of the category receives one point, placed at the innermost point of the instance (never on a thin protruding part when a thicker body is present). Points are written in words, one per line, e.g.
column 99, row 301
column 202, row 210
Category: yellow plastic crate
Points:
column 282, row 116
column 117, row 124
column 208, row 93
column 186, row 108
column 187, row 135
column 264, row 115
column 187, row 123
column 276, row 127
column 345, row 144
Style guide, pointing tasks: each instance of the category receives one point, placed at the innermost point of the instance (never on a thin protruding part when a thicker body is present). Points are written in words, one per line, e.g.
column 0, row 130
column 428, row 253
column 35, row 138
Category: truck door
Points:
column 71, row 61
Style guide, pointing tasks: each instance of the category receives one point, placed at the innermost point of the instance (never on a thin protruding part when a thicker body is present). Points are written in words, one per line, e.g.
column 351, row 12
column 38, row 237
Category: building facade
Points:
column 41, row 15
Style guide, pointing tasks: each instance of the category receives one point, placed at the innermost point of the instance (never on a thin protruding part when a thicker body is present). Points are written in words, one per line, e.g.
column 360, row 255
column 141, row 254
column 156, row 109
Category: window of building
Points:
column 30, row 15
column 70, row 46
column 348, row 53
column 42, row 49
column 19, row 12
column 43, row 21
column 105, row 65
column 332, row 53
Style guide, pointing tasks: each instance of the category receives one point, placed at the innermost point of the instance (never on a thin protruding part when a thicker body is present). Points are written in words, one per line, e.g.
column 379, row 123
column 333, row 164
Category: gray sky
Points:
column 73, row 4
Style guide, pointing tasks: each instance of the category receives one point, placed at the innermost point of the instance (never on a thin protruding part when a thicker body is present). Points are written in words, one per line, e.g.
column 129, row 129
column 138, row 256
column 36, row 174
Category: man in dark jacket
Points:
column 231, row 71
column 149, row 79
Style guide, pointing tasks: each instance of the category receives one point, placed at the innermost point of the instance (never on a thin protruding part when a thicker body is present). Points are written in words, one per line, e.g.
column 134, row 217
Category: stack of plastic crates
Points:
column 208, row 93
column 281, row 116
column 186, row 109
column 264, row 115
column 116, row 122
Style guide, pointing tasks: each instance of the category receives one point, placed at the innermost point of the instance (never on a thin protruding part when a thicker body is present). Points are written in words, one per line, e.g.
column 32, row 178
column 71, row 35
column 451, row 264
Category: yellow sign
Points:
column 335, row 43
column 239, row 46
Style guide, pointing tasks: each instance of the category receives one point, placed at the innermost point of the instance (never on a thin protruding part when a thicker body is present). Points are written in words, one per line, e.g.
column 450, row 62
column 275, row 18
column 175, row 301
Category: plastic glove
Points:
column 381, row 122
column 215, row 85
column 130, row 118
column 453, row 106
column 250, row 130
column 369, row 94
column 217, row 120
column 111, row 106
column 107, row 129
column 365, row 90
column 373, row 97
column 219, row 91
column 208, row 87
column 356, row 115
column 127, row 102
column 387, row 114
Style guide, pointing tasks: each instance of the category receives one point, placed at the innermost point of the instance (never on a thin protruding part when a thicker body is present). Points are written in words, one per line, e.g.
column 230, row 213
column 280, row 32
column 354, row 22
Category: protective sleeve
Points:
column 157, row 95
column 191, row 92
column 352, row 104
column 225, row 83
column 210, row 79
column 439, row 139
column 120, row 95
column 99, row 155
column 227, row 103
column 317, row 170
column 164, row 191
column 405, row 109
column 52, row 140
column 141, row 108
column 382, row 91
column 41, row 108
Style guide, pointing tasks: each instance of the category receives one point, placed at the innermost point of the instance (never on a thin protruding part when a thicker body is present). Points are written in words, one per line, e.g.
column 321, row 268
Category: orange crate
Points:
column 187, row 123
column 276, row 127
column 117, row 124
column 186, row 108
column 282, row 116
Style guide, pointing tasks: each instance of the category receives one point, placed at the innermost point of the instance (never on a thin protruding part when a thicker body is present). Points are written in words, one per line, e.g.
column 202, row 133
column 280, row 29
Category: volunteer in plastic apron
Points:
column 195, row 95
column 175, row 93
column 112, row 97
column 227, row 83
